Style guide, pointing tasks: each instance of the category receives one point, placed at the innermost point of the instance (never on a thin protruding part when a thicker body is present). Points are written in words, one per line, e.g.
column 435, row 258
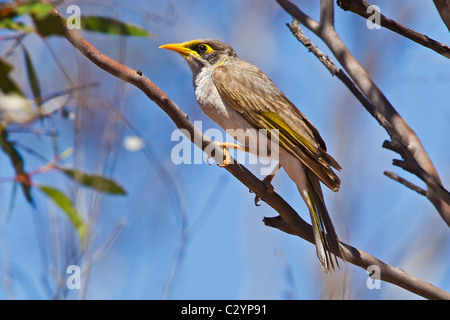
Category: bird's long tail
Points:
column 325, row 237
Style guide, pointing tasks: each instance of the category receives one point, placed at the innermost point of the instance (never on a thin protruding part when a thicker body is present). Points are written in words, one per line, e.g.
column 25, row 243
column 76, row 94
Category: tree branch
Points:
column 289, row 218
column 403, row 137
column 328, row 63
column 360, row 8
column 406, row 183
column 326, row 13
column 388, row 273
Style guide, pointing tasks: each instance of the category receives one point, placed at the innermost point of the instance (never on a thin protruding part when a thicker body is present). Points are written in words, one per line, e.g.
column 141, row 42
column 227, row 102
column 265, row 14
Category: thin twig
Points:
column 405, row 182
column 360, row 7
column 328, row 63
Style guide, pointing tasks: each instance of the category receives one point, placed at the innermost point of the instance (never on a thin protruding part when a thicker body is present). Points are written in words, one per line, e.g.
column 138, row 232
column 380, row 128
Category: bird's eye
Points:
column 202, row 48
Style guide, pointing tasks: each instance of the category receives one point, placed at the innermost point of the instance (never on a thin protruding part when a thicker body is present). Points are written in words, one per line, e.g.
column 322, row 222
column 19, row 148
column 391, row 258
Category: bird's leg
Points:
column 267, row 180
column 225, row 146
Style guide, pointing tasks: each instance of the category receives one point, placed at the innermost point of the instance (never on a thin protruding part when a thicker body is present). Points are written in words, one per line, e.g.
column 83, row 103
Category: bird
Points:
column 238, row 96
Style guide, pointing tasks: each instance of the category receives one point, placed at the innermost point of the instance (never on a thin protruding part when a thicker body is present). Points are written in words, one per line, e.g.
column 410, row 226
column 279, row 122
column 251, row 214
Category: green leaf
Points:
column 66, row 204
column 50, row 25
column 112, row 26
column 17, row 161
column 5, row 67
column 36, row 8
column 97, row 182
column 32, row 78
column 46, row 23
column 7, row 85
column 8, row 23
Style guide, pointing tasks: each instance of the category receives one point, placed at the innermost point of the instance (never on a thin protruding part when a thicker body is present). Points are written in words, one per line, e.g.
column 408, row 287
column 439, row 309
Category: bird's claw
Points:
column 269, row 190
column 227, row 158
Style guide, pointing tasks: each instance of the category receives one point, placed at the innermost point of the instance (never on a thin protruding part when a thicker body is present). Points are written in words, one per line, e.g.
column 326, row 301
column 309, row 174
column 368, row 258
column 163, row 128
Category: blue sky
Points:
column 193, row 231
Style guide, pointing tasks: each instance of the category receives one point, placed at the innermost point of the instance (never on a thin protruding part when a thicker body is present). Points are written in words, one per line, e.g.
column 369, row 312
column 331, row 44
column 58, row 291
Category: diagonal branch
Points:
column 360, row 7
column 326, row 61
column 288, row 216
column 406, row 142
column 405, row 182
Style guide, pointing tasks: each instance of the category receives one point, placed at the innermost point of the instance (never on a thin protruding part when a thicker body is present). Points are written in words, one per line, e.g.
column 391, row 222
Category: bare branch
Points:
column 326, row 13
column 360, row 258
column 406, row 183
column 360, row 8
column 406, row 141
column 306, row 20
column 328, row 63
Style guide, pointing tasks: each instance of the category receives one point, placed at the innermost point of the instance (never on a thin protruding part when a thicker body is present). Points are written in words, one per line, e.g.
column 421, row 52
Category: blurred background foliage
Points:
column 86, row 176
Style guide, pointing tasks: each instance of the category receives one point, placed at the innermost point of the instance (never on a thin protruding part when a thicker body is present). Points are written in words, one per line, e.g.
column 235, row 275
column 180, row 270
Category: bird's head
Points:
column 202, row 52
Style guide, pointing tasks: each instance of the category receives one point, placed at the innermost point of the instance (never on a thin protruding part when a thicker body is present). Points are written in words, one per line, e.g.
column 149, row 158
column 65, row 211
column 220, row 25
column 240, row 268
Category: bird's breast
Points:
column 211, row 103
column 227, row 117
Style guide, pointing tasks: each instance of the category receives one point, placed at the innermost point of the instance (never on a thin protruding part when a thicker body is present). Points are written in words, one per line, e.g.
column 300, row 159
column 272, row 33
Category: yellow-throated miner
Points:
column 238, row 95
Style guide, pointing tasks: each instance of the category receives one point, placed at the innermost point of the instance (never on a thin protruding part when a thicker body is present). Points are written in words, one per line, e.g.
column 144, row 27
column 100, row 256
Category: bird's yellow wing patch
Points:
column 274, row 121
column 250, row 92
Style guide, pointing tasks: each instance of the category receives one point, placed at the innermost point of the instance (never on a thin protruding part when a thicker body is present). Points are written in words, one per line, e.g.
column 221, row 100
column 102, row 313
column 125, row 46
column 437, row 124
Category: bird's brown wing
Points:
column 249, row 91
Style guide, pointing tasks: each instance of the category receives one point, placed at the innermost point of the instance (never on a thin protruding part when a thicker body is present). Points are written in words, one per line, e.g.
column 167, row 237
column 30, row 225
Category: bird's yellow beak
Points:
column 182, row 48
